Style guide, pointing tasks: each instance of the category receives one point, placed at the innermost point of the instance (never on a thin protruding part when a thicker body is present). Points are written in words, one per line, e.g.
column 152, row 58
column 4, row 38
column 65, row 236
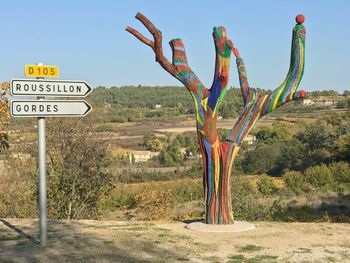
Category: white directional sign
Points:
column 57, row 88
column 49, row 108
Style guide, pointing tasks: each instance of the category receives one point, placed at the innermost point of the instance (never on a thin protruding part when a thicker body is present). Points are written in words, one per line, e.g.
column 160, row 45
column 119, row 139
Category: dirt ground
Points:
column 120, row 241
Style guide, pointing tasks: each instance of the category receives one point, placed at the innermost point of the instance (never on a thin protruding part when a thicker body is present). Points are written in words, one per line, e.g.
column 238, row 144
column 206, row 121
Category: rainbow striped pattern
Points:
column 218, row 156
column 257, row 106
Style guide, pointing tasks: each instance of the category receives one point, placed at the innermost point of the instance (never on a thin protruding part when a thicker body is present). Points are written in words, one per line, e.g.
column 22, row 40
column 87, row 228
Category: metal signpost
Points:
column 42, row 173
column 42, row 108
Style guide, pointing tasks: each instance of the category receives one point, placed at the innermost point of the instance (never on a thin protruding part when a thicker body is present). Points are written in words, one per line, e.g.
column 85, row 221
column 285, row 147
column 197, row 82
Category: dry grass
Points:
column 118, row 241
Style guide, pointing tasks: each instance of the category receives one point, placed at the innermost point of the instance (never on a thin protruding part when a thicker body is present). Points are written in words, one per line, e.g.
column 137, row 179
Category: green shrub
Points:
column 78, row 175
column 340, row 172
column 320, row 177
column 295, row 181
column 244, row 201
column 266, row 186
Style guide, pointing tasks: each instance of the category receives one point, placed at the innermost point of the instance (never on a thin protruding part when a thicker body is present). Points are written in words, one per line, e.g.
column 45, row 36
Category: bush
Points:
column 266, row 186
column 170, row 156
column 263, row 158
column 130, row 196
column 295, row 181
column 18, row 188
column 340, row 172
column 155, row 205
column 244, row 201
column 320, row 177
column 78, row 175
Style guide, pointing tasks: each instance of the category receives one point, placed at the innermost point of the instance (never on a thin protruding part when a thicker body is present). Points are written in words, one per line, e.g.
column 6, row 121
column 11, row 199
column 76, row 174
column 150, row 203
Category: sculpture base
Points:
column 237, row 226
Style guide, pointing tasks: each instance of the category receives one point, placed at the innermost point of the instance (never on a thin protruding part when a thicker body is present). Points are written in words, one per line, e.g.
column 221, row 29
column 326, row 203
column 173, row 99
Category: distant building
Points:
column 327, row 101
column 141, row 156
column 250, row 139
column 158, row 106
column 308, row 102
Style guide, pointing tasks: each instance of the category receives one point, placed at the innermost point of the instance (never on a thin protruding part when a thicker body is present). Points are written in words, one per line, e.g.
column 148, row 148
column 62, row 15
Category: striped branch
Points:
column 248, row 93
column 223, row 48
column 179, row 67
column 256, row 106
column 183, row 71
column 287, row 91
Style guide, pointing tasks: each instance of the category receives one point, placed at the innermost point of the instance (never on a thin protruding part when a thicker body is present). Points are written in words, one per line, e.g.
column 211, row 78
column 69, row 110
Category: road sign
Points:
column 57, row 88
column 41, row 71
column 41, row 109
column 49, row 108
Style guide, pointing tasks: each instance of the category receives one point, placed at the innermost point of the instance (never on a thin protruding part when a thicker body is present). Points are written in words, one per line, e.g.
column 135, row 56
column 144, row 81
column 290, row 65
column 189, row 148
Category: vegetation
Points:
column 319, row 177
column 178, row 149
column 278, row 149
column 295, row 181
column 77, row 171
column 130, row 103
column 266, row 186
column 17, row 188
column 296, row 170
column 4, row 116
column 77, row 179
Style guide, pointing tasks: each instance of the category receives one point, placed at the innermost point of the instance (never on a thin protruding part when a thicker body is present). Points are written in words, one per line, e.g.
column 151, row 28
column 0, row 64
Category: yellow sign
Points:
column 41, row 71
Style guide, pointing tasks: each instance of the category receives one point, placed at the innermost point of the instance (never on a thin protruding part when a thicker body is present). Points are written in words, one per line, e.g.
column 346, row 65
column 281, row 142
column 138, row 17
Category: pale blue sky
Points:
column 87, row 40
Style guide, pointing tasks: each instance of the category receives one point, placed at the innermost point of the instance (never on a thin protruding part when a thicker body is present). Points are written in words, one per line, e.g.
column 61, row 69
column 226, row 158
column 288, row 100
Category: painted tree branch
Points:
column 156, row 45
column 257, row 106
column 223, row 48
column 179, row 67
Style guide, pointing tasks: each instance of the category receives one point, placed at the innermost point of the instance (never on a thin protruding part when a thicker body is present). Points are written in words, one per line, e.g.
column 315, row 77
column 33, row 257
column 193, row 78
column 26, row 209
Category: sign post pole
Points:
column 41, row 109
column 42, row 177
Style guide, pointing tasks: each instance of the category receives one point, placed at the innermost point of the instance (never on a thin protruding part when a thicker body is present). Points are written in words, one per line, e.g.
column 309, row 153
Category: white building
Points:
column 141, row 156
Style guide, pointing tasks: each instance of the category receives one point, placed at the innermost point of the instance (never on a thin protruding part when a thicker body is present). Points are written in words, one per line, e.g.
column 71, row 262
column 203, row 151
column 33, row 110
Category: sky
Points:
column 87, row 39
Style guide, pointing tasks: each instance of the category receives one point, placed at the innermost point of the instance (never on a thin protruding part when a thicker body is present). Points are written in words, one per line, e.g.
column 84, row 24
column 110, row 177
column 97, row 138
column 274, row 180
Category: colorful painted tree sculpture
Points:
column 218, row 156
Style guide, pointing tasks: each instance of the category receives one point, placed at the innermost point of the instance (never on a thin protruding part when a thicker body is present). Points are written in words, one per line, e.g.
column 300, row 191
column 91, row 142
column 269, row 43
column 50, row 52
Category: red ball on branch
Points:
column 300, row 19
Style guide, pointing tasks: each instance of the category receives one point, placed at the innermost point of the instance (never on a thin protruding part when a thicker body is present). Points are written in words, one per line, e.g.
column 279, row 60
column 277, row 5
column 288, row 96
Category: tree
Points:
column 152, row 143
column 263, row 159
column 320, row 177
column 171, row 155
column 218, row 156
column 77, row 169
column 320, row 135
column 342, row 147
column 294, row 156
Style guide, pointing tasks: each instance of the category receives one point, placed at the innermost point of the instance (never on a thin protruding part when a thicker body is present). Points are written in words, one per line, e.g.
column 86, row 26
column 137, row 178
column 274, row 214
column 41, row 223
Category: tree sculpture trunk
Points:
column 218, row 156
